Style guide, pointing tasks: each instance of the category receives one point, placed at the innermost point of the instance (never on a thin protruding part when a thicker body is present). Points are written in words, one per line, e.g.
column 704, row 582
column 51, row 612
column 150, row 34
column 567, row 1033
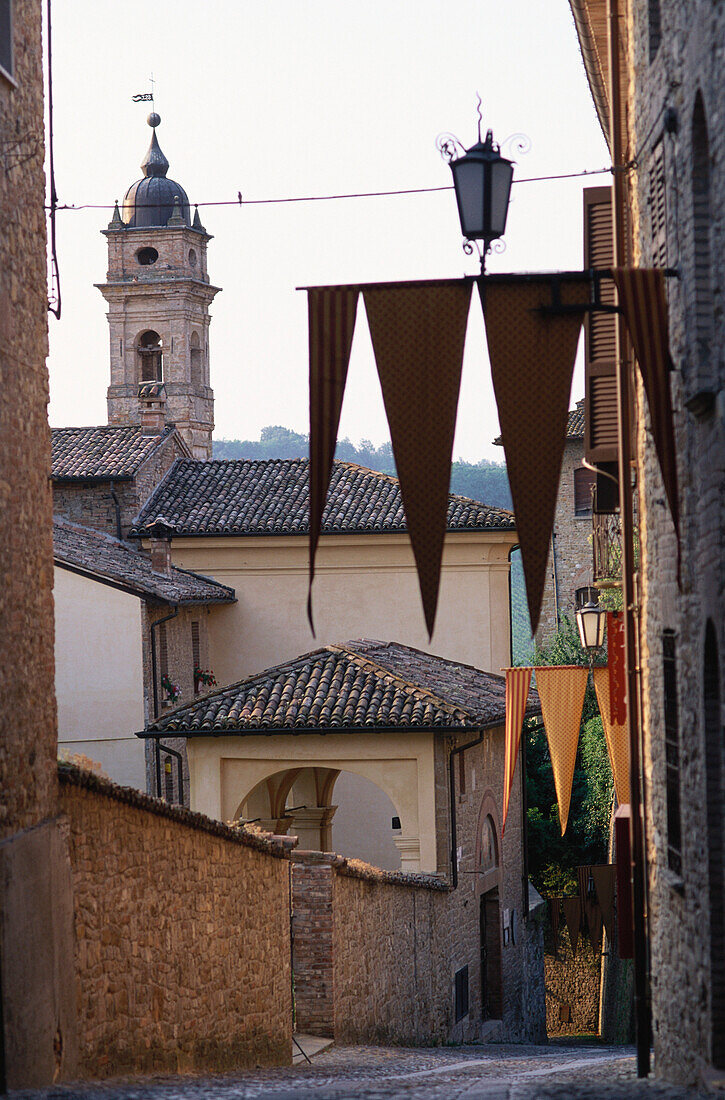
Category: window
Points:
column 672, row 753
column 6, row 38
column 489, row 848
column 147, row 256
column 701, row 261
column 150, row 356
column 657, row 207
column 195, row 654
column 584, row 480
column 655, row 27
column 461, row 993
column 163, row 650
column 197, row 374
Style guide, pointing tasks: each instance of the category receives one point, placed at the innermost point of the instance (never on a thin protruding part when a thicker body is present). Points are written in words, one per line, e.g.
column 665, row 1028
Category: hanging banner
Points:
column 331, row 316
column 518, row 682
column 617, row 668
column 418, row 331
column 532, row 359
column 561, row 691
column 616, row 736
column 643, row 302
column 573, row 918
column 604, row 875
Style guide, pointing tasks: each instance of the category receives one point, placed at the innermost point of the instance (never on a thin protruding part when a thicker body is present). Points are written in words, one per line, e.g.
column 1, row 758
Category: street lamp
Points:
column 590, row 619
column 482, row 181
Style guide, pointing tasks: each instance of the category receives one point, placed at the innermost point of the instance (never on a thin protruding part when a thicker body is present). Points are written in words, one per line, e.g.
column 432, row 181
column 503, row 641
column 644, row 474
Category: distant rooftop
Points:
column 361, row 685
column 574, row 424
column 248, row 497
column 98, row 555
column 109, row 452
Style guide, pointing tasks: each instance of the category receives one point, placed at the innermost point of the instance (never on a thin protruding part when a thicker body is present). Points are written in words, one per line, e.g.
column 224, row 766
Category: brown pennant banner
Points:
column 561, row 690
column 643, row 302
column 616, row 736
column 418, row 332
column 532, row 360
column 617, row 667
column 604, row 875
column 331, row 316
column 518, row 681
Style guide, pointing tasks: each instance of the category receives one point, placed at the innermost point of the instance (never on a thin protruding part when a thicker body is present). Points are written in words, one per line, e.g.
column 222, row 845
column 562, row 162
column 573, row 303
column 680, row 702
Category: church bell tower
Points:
column 158, row 294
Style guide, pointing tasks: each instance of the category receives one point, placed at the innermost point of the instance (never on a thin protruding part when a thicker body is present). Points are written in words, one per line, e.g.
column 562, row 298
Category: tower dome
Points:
column 151, row 201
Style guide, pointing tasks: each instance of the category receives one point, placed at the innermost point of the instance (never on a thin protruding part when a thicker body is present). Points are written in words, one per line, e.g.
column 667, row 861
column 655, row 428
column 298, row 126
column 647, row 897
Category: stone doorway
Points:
column 490, row 927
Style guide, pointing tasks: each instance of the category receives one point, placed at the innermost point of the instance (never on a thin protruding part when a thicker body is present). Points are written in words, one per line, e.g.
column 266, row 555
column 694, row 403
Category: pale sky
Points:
column 310, row 97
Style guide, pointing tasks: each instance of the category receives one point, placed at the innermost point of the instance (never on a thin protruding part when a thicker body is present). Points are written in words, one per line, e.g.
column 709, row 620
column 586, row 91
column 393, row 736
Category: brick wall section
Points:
column 312, row 944
column 182, row 929
column 573, row 980
column 27, row 696
column 573, row 545
column 90, row 503
column 691, row 46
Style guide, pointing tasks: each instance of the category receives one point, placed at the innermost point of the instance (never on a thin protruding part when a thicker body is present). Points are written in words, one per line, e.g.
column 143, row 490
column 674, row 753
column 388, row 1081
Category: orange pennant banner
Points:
column 518, row 681
column 418, row 332
column 616, row 735
column 532, row 356
column 561, row 691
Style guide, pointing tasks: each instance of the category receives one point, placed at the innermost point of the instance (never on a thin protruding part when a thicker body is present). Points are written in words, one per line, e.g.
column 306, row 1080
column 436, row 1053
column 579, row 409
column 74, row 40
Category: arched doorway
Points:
column 330, row 810
column 714, row 746
column 488, row 874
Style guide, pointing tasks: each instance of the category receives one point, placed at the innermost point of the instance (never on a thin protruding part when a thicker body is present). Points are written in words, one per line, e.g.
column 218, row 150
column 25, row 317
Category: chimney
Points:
column 152, row 399
column 160, row 533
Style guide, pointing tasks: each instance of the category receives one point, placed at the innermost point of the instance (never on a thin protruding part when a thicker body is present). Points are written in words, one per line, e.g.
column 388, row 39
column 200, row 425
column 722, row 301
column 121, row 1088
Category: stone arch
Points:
column 701, row 242
column 305, row 800
column 715, row 788
column 196, row 360
column 488, row 881
column 488, row 813
column 149, row 355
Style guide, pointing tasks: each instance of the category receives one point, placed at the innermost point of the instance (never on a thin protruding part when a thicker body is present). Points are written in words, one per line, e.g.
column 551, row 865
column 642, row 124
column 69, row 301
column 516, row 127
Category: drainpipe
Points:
column 117, row 507
column 155, row 686
column 452, row 792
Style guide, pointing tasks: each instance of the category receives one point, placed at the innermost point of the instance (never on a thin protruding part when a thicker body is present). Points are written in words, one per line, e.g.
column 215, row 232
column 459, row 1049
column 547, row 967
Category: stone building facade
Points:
column 673, row 56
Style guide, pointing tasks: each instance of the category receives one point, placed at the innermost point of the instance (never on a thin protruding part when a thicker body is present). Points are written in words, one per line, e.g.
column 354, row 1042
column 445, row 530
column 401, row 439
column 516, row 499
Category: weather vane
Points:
column 145, row 97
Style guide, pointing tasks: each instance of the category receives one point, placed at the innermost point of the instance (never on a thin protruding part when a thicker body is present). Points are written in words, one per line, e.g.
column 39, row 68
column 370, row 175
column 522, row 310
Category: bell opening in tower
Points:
column 150, row 357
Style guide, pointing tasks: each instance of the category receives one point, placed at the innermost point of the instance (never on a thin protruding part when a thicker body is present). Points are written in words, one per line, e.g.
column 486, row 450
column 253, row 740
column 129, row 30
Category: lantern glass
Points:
column 591, row 621
column 468, row 180
column 501, row 173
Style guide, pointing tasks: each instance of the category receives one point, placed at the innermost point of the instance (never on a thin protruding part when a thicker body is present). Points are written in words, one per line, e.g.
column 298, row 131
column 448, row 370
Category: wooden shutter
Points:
column 600, row 398
column 583, row 485
column 657, row 207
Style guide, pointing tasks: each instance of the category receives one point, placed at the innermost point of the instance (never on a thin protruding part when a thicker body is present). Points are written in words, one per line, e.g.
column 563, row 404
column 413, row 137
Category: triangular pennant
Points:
column 616, row 736
column 418, row 331
column 617, row 668
column 643, row 302
column 573, row 918
column 518, row 681
column 331, row 316
column 604, row 876
column 532, row 359
column 561, row 691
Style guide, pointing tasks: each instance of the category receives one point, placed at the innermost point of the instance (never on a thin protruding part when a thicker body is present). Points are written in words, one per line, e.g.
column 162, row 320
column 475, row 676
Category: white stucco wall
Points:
column 99, row 675
column 365, row 586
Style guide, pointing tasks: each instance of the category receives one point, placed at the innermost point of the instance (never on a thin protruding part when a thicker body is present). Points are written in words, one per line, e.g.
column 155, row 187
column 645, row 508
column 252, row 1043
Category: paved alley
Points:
column 494, row 1072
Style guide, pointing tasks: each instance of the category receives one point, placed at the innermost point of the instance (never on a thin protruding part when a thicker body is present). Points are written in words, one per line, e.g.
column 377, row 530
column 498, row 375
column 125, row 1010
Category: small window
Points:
column 163, row 651
column 461, row 993
column 197, row 373
column 196, row 655
column 147, row 256
column 489, row 848
column 584, row 481
column 672, row 753
column 192, row 257
column 701, row 243
column 6, row 38
column 461, row 773
column 655, row 27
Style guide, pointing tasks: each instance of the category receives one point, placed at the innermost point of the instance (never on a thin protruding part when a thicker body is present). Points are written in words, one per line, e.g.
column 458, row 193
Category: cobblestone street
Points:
column 494, row 1072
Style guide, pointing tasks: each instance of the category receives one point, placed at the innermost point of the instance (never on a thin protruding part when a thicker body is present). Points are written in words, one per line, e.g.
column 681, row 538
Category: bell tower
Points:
column 158, row 294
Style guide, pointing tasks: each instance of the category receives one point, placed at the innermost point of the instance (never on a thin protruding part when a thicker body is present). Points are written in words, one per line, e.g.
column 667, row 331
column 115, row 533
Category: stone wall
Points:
column 312, row 944
column 572, row 985
column 182, row 936
column 687, row 62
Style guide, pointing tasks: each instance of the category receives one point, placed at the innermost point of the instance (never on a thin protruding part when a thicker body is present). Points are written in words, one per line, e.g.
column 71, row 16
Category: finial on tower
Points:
column 154, row 119
column 154, row 163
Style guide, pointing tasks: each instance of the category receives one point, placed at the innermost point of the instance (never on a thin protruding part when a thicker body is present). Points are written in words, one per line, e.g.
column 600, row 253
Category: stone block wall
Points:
column 182, row 936
column 572, row 986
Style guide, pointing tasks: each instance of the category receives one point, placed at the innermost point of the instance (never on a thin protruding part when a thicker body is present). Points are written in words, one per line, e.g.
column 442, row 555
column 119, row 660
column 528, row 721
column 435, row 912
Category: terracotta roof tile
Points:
column 102, row 453
column 574, row 424
column 96, row 553
column 247, row 497
column 361, row 685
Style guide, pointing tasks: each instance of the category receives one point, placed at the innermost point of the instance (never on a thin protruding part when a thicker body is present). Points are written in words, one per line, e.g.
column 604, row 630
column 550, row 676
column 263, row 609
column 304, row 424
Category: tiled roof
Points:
column 361, row 685
column 104, row 453
column 574, row 424
column 100, row 555
column 246, row 497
